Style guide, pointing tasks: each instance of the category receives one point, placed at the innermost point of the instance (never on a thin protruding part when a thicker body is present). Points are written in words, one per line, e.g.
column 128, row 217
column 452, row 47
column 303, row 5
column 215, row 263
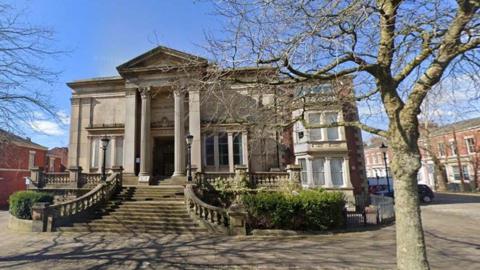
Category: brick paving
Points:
column 453, row 240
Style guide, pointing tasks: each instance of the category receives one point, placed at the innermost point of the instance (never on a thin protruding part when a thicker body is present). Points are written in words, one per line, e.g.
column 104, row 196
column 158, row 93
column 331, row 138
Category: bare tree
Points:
column 397, row 50
column 23, row 51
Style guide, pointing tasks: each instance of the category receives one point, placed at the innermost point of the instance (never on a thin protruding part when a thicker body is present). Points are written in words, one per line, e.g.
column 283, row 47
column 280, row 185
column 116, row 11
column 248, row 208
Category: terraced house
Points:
column 157, row 100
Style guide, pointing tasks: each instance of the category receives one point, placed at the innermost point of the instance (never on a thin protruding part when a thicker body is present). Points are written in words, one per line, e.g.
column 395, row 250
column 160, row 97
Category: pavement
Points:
column 451, row 226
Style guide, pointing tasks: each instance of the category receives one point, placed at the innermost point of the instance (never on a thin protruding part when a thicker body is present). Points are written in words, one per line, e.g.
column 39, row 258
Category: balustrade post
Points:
column 36, row 176
column 294, row 176
column 240, row 177
column 237, row 221
column 119, row 170
column 40, row 218
column 76, row 176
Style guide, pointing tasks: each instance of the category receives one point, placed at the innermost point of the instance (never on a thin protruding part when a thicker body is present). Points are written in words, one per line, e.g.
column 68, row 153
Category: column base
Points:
column 178, row 174
column 144, row 180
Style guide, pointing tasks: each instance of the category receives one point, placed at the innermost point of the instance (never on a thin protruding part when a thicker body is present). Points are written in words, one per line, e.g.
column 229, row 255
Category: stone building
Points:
column 159, row 97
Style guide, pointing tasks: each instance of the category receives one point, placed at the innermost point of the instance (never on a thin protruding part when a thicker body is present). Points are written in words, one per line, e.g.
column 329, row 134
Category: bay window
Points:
column 318, row 172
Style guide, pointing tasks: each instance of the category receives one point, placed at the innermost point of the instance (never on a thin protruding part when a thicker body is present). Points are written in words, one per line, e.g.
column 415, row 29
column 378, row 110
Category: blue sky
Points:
column 101, row 35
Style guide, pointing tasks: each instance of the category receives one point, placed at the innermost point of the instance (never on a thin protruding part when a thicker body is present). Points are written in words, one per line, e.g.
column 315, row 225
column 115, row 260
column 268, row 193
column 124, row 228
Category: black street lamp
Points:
column 189, row 139
column 383, row 149
column 105, row 140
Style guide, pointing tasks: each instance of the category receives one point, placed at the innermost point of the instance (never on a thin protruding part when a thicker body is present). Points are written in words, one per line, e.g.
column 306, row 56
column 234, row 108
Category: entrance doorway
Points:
column 163, row 157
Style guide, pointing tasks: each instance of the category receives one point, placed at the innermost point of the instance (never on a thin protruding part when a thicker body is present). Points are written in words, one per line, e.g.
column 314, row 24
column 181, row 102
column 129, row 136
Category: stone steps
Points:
column 142, row 210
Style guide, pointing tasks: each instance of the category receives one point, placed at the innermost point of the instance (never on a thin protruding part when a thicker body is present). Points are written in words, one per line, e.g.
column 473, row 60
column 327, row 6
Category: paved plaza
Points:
column 451, row 226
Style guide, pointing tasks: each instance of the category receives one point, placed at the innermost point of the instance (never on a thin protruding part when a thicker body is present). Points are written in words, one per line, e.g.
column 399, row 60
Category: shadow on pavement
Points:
column 452, row 198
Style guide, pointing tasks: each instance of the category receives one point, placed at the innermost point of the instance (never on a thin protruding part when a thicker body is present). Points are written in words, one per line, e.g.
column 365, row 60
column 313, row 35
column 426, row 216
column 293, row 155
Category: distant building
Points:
column 17, row 156
column 57, row 159
column 446, row 142
column 374, row 161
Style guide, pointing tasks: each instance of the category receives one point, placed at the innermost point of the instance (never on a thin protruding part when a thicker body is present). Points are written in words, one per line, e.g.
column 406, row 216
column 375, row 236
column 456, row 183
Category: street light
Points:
column 189, row 139
column 383, row 149
column 105, row 140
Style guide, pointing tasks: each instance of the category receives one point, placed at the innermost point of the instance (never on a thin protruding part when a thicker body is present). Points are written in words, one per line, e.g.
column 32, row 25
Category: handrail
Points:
column 101, row 193
column 215, row 217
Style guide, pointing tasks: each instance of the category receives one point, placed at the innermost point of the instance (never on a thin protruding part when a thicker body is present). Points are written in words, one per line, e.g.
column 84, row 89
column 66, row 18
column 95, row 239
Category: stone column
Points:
column 179, row 126
column 346, row 172
column 75, row 174
column 129, row 134
column 73, row 147
column 144, row 176
column 294, row 175
column 230, row 152
column 195, row 128
column 113, row 154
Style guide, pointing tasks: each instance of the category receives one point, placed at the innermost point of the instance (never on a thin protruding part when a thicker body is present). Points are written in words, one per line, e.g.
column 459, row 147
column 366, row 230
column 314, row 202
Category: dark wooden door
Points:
column 163, row 156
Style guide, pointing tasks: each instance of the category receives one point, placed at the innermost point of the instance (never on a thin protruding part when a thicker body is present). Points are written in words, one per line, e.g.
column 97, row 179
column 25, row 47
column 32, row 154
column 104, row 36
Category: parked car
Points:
column 425, row 194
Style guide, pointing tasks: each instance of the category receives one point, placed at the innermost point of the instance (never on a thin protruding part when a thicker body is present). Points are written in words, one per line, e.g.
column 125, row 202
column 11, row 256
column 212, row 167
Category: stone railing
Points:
column 230, row 221
column 268, row 179
column 47, row 217
column 256, row 179
column 209, row 177
column 214, row 218
column 62, row 178
column 73, row 178
column 90, row 179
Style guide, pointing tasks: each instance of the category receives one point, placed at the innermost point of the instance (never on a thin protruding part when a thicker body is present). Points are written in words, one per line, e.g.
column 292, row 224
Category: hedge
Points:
column 307, row 210
column 21, row 202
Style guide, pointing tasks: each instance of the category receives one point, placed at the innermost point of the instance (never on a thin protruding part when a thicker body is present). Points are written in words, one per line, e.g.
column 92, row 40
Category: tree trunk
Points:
column 411, row 250
column 439, row 174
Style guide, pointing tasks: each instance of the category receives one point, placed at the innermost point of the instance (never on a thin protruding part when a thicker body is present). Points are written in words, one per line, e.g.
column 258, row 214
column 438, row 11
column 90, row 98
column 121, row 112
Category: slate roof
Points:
column 20, row 141
column 458, row 126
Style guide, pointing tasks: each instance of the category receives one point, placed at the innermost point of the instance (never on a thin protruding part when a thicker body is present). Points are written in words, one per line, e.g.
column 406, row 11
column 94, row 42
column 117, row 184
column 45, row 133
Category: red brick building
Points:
column 17, row 156
column 457, row 146
column 57, row 159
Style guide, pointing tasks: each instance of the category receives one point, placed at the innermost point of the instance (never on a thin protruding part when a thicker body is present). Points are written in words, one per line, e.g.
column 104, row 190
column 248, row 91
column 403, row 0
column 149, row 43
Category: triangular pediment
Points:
column 161, row 57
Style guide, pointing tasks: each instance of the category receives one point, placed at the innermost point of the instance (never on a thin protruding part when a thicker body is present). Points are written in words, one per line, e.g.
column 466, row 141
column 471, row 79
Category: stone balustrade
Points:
column 256, row 179
column 47, row 217
column 73, row 178
column 214, row 218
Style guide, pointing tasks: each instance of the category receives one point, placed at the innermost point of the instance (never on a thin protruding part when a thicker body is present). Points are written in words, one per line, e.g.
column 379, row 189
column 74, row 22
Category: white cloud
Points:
column 47, row 127
column 63, row 117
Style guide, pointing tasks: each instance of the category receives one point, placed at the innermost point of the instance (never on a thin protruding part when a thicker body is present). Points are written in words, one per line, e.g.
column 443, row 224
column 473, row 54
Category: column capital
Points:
column 178, row 93
column 145, row 91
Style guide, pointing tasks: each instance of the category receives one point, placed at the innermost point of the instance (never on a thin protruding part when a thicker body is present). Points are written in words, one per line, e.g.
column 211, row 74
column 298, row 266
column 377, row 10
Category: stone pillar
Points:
column 294, row 172
column 40, row 217
column 241, row 177
column 73, row 147
column 118, row 169
column 346, row 172
column 179, row 163
column 144, row 176
column 129, row 133
column 231, row 167
column 195, row 128
column 237, row 223
column 76, row 176
column 113, row 142
column 36, row 176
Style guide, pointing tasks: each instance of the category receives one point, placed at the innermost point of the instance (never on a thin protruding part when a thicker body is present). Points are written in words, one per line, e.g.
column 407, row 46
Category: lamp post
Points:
column 105, row 140
column 383, row 149
column 189, row 139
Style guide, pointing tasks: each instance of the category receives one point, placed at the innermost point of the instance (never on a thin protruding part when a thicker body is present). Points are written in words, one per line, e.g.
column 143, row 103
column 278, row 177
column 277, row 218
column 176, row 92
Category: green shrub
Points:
column 21, row 202
column 307, row 210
